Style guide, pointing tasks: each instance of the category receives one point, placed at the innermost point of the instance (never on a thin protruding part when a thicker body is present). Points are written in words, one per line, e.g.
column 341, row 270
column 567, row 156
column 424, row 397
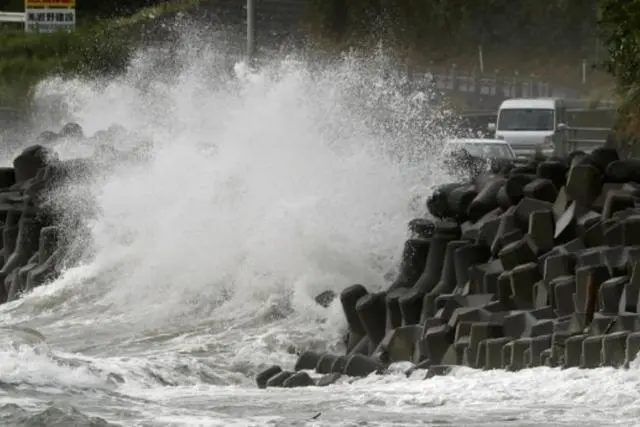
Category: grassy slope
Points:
column 93, row 48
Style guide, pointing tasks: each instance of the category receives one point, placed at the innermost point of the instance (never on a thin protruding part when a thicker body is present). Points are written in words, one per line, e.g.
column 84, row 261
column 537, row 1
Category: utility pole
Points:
column 251, row 14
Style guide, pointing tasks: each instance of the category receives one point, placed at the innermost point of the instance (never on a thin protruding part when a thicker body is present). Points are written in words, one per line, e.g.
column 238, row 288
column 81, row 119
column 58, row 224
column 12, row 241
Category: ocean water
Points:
column 259, row 190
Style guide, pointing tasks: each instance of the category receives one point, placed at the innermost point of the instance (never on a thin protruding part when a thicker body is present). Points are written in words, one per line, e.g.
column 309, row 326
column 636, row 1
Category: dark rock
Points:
column 263, row 377
column 325, row 298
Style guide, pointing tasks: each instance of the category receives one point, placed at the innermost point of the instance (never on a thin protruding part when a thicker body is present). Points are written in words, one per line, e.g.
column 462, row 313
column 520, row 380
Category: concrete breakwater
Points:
column 526, row 265
column 39, row 236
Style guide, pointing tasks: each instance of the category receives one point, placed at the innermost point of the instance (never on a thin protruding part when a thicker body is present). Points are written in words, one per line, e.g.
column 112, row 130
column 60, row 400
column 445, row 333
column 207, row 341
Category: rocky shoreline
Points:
column 526, row 265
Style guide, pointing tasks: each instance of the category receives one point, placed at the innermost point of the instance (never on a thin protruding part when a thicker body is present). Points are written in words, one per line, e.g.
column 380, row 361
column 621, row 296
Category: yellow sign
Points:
column 33, row 4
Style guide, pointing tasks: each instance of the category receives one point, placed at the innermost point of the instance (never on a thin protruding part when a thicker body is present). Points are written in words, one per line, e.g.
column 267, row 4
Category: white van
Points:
column 530, row 124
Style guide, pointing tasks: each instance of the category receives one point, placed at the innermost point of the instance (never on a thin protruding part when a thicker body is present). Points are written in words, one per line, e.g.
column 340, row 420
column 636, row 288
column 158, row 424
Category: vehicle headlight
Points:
column 548, row 141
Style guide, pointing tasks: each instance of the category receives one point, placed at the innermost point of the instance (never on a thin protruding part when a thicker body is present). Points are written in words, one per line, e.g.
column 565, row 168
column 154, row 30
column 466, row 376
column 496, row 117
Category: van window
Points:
column 526, row 119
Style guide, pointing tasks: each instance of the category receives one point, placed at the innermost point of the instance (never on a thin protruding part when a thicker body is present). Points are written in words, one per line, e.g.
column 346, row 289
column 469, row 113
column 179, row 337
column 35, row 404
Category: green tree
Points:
column 619, row 22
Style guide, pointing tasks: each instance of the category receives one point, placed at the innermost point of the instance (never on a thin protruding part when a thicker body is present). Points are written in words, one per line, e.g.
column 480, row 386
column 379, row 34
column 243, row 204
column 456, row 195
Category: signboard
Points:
column 49, row 15
column 50, row 3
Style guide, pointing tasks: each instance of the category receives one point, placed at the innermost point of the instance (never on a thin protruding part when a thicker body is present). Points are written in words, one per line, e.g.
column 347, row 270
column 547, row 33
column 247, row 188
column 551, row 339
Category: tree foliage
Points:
column 619, row 22
column 536, row 26
column 620, row 25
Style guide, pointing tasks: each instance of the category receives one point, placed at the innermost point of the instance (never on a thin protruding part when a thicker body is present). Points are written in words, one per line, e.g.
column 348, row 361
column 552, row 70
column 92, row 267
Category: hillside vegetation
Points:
column 101, row 45
column 547, row 38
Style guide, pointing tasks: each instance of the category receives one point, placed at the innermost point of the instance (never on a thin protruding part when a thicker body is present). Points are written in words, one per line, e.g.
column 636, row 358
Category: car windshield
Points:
column 525, row 119
column 491, row 150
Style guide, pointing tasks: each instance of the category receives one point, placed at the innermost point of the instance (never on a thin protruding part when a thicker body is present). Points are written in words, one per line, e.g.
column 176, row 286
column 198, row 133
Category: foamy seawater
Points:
column 259, row 189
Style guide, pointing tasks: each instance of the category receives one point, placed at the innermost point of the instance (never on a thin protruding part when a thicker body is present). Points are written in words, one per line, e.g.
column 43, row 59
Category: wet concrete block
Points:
column 423, row 365
column 536, row 346
column 482, row 276
column 591, row 256
column 584, row 183
column 541, row 295
column 623, row 171
column 594, row 235
column 434, row 264
column 493, row 352
column 602, row 323
column 486, row 200
column 627, row 322
column 546, row 359
column 555, row 171
column 614, row 349
column 479, row 332
column 503, row 198
column 558, row 339
column 414, row 258
column 514, row 187
column 437, row 203
column 438, row 370
column 629, row 299
column 561, row 203
column 544, row 313
column 517, row 253
column 541, row 327
column 591, row 352
column 573, row 351
column 467, row 256
column 518, row 324
column 585, row 221
column 264, row 376
column 329, row 379
column 616, row 201
column 339, row 364
column 488, row 230
column 513, row 354
column 325, row 362
column 631, row 230
column 564, row 287
column 613, row 233
column 588, row 281
column 602, row 157
column 48, row 242
column 349, row 298
column 526, row 207
column 278, row 379
column 448, row 282
column 360, row 365
column 610, row 292
column 523, row 278
column 307, row 360
column 541, row 189
column 504, row 293
column 469, row 314
column 566, row 224
column 459, row 200
column 617, row 260
column 506, row 225
column 541, row 230
column 399, row 344
column 411, row 307
column 562, row 264
column 632, row 347
column 371, row 311
column 421, row 229
column 392, row 310
column 299, row 379
column 436, row 341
